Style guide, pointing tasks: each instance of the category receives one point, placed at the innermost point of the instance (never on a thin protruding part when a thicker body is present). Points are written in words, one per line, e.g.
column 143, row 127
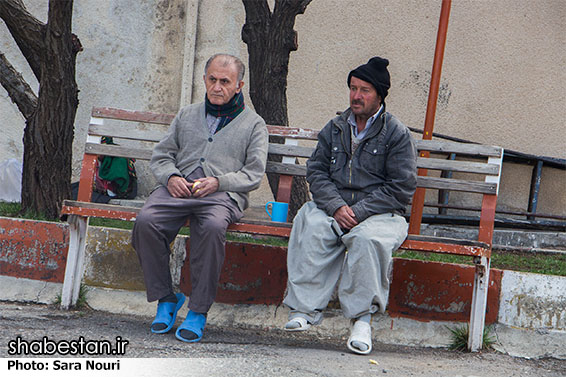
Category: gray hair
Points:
column 228, row 59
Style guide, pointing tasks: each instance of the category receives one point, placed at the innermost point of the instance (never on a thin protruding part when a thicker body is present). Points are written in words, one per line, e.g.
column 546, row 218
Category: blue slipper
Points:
column 167, row 313
column 194, row 324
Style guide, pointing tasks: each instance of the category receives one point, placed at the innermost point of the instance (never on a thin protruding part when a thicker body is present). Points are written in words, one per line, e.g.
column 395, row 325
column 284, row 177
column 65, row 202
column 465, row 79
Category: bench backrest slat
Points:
column 458, row 148
column 457, row 185
column 286, row 169
column 119, row 151
column 290, row 150
column 292, row 132
column 166, row 119
column 458, row 166
column 134, row 131
column 130, row 115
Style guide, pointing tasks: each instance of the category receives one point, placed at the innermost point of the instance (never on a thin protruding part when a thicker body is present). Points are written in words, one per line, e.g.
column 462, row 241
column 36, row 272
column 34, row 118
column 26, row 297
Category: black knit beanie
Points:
column 374, row 72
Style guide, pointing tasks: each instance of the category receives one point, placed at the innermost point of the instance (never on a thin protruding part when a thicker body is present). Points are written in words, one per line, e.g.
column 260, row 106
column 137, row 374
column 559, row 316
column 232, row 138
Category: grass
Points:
column 81, row 300
column 113, row 223
column 459, row 338
column 523, row 262
column 14, row 209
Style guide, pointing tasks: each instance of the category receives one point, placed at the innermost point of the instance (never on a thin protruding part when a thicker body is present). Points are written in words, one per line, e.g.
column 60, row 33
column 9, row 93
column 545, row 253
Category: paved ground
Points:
column 241, row 352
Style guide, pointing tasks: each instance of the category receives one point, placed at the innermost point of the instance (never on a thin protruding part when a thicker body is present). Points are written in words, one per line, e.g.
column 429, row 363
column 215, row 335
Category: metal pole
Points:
column 418, row 198
column 436, row 69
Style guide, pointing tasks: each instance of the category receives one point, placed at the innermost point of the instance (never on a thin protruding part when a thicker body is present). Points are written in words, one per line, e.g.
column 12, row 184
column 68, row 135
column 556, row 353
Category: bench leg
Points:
column 75, row 260
column 479, row 304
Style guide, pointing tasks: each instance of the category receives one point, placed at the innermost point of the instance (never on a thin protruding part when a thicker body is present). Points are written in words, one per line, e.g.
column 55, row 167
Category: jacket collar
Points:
column 377, row 126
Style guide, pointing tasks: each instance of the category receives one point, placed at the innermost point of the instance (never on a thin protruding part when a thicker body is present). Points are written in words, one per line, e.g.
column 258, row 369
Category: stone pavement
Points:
column 237, row 351
column 514, row 341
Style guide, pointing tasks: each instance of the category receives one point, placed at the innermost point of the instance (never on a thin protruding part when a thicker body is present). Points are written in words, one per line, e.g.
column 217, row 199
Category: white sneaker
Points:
column 297, row 324
column 361, row 333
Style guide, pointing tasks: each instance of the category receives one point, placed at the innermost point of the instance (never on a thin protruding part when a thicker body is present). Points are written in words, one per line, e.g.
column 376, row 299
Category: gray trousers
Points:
column 156, row 227
column 319, row 253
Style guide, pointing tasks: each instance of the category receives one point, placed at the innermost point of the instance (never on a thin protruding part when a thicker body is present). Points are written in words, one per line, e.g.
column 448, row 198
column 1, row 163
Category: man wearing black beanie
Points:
column 374, row 72
column 362, row 175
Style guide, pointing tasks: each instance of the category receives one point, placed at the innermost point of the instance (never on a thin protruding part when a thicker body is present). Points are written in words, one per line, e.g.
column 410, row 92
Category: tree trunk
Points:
column 51, row 51
column 270, row 39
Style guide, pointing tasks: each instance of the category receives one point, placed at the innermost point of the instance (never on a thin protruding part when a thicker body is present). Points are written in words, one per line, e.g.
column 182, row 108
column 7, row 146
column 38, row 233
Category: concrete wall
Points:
column 502, row 83
column 533, row 301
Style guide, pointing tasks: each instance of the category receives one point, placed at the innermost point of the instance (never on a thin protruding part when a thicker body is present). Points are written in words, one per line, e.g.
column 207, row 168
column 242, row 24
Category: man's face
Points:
column 364, row 100
column 221, row 82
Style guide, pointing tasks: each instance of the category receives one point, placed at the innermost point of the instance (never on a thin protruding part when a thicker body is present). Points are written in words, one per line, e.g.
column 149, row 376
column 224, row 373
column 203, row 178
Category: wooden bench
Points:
column 144, row 129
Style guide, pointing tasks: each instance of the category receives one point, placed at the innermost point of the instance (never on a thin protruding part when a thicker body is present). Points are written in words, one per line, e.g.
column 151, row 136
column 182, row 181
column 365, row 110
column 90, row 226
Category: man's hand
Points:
column 205, row 186
column 178, row 187
column 345, row 217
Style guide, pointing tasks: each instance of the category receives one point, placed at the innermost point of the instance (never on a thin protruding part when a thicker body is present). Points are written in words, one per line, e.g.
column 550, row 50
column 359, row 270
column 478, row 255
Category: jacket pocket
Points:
column 372, row 158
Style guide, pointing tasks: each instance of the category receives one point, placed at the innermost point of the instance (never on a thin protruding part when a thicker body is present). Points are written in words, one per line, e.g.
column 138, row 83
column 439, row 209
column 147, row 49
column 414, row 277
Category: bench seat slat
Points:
column 275, row 229
column 439, row 239
column 129, row 213
column 445, row 246
column 458, row 148
column 457, row 185
column 89, row 211
column 100, row 206
column 457, row 166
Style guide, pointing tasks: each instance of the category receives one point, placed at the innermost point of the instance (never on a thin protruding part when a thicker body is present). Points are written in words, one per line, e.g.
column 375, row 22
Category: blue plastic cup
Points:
column 278, row 211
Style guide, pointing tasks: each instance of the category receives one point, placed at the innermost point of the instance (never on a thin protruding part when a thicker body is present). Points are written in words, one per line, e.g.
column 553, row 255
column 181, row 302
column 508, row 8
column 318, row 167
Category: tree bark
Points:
column 270, row 38
column 51, row 51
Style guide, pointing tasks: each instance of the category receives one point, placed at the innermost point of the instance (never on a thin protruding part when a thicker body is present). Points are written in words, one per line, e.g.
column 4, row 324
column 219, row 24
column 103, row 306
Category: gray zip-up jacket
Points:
column 380, row 177
column 235, row 155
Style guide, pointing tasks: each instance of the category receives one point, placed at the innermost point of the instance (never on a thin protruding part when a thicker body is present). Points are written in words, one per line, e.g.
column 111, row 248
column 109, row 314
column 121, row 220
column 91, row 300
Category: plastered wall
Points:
column 502, row 82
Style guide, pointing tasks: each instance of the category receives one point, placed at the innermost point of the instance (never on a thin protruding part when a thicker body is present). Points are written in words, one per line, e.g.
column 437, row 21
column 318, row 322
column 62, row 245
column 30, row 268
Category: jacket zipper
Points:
column 350, row 166
column 350, row 156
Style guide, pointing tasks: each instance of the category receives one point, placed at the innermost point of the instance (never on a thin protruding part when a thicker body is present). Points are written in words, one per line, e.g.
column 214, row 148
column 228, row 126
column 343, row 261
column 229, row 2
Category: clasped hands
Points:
column 179, row 187
column 345, row 217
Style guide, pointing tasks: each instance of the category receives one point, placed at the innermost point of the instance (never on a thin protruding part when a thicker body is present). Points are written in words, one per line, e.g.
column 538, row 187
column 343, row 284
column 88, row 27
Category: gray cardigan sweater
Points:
column 235, row 155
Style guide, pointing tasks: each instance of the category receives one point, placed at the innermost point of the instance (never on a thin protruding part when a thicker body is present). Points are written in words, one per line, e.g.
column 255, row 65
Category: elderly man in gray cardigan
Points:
column 214, row 153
